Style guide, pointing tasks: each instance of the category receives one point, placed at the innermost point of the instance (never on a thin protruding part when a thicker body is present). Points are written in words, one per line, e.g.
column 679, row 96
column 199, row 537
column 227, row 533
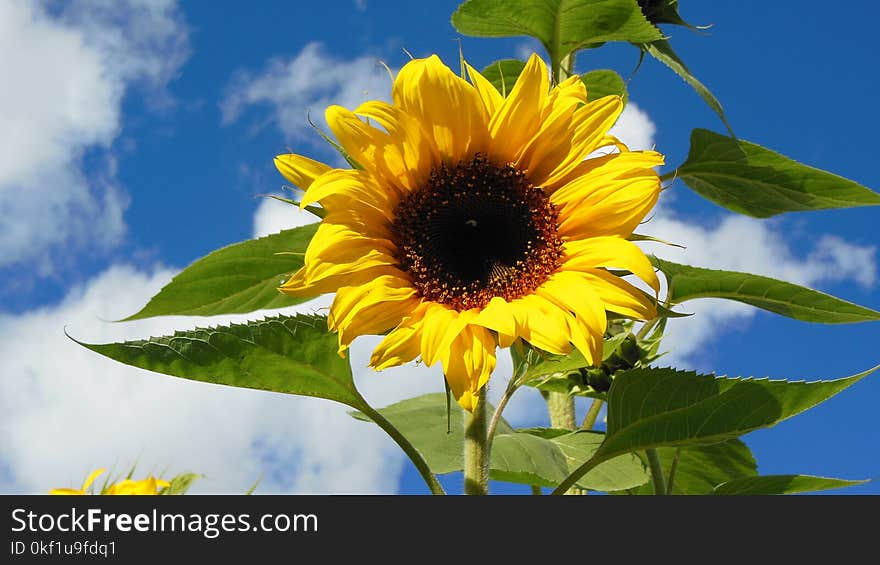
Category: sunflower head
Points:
column 476, row 220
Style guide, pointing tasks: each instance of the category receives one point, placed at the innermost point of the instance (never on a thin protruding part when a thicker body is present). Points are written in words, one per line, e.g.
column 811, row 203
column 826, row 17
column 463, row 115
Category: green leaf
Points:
column 562, row 26
column 422, row 420
column 657, row 407
column 755, row 181
column 293, row 355
column 620, row 473
column 701, row 467
column 527, row 459
column 781, row 484
column 503, row 74
column 662, row 51
column 236, row 279
column 543, row 364
column 787, row 299
column 536, row 456
column 604, row 82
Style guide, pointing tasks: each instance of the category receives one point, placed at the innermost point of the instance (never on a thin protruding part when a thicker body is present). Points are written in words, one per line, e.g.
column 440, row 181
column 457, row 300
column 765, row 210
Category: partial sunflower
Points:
column 477, row 220
column 150, row 485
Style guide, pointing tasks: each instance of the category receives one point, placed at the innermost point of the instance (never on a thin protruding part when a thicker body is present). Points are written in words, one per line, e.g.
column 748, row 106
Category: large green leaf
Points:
column 787, row 299
column 657, row 407
column 562, row 26
column 289, row 354
column 663, row 407
column 604, row 82
column 781, row 484
column 620, row 473
column 700, row 468
column 423, row 420
column 753, row 180
column 663, row 52
column 503, row 74
column 236, row 279
column 536, row 457
column 527, row 459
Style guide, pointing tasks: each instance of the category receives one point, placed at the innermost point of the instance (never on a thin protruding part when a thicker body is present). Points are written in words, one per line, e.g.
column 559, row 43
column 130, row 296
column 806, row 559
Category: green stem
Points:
column 407, row 447
column 646, row 329
column 573, row 478
column 656, row 471
column 592, row 414
column 563, row 69
column 561, row 408
column 502, row 403
column 476, row 448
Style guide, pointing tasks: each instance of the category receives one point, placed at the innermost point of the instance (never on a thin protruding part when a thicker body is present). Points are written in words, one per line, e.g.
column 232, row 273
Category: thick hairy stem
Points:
column 476, row 449
column 561, row 408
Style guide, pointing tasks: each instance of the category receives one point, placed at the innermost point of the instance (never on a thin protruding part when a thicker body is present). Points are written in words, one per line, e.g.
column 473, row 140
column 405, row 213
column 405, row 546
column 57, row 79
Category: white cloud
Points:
column 273, row 216
column 635, row 128
column 65, row 410
column 305, row 85
column 65, row 75
column 744, row 244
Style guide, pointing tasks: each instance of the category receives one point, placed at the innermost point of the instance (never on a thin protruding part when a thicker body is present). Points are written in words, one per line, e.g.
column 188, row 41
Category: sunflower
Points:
column 150, row 485
column 474, row 220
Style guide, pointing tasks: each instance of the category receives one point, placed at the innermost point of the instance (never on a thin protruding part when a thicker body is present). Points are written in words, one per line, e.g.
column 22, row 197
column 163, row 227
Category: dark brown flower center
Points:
column 474, row 231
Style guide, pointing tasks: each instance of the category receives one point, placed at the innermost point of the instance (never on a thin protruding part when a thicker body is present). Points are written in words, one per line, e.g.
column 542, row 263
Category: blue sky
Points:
column 137, row 136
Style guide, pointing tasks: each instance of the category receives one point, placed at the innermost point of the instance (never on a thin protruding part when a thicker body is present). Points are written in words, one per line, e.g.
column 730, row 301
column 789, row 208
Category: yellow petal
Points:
column 448, row 108
column 489, row 95
column 571, row 293
column 590, row 123
column 440, row 326
column 619, row 296
column 339, row 189
column 347, row 265
column 519, row 117
column 610, row 252
column 542, row 324
column 300, row 170
column 337, row 242
column 612, row 198
column 371, row 308
column 469, row 364
column 351, row 299
column 91, row 478
column 497, row 315
column 549, row 147
column 66, row 491
column 375, row 319
column 420, row 152
column 298, row 285
column 378, row 152
column 401, row 345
